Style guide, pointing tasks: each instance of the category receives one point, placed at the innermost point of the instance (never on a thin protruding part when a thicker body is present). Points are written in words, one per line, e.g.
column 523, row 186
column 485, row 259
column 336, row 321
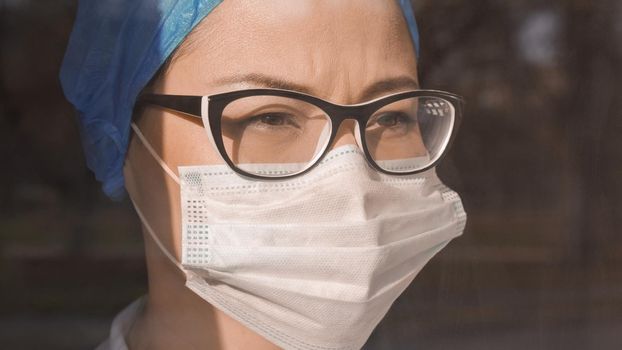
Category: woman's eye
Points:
column 273, row 119
column 392, row 119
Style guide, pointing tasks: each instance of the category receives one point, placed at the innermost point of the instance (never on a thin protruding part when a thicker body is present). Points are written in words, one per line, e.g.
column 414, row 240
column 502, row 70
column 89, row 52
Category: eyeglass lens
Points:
column 276, row 136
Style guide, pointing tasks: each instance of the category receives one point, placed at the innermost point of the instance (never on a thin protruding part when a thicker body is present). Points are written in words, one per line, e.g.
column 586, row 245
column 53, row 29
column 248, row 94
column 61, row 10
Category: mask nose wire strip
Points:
column 154, row 154
column 156, row 239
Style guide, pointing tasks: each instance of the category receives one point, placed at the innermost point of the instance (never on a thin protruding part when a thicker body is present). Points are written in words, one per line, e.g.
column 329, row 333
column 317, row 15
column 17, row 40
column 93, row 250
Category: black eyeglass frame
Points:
column 192, row 106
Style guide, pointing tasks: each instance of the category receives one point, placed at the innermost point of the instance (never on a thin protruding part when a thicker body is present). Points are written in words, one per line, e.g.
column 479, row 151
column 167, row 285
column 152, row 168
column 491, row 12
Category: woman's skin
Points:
column 335, row 49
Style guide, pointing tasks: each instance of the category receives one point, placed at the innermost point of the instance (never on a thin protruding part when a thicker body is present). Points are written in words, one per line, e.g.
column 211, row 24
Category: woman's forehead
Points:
column 328, row 44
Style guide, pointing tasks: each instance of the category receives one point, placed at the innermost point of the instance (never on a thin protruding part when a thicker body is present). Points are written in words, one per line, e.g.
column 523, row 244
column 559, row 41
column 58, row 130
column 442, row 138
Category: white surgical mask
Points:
column 312, row 262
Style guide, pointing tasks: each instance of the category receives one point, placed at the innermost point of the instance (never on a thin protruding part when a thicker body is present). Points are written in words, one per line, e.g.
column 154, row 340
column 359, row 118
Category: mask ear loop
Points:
column 156, row 239
column 153, row 153
column 139, row 212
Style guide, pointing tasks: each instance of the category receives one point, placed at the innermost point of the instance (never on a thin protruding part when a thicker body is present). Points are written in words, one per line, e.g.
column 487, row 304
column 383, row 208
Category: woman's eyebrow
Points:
column 374, row 90
column 266, row 81
column 381, row 87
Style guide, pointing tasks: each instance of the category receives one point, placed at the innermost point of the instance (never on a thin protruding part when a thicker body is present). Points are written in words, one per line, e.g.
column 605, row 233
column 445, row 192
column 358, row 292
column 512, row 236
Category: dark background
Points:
column 537, row 163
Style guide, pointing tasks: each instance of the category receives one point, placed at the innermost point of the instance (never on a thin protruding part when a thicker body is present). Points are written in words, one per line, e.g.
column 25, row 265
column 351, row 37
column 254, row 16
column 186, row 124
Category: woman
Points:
column 281, row 162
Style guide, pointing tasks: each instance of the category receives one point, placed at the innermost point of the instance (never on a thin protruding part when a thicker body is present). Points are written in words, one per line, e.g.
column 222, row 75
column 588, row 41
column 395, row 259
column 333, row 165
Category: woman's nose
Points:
column 346, row 134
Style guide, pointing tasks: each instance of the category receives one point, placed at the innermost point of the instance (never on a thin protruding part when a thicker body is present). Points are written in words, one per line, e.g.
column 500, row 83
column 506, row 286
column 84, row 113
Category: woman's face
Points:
column 345, row 51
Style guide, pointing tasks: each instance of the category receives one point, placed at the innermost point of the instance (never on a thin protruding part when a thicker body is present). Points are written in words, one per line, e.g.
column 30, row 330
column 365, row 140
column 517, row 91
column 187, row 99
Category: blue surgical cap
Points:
column 115, row 48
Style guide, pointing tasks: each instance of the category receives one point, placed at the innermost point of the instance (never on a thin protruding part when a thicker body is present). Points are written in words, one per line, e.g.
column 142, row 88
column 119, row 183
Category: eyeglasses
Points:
column 275, row 133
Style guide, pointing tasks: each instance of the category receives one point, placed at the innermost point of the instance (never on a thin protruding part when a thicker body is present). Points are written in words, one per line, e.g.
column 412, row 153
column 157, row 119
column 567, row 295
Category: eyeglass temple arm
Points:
column 189, row 105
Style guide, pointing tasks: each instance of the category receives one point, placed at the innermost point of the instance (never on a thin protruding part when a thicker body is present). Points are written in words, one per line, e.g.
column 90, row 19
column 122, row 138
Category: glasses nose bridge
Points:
column 339, row 114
